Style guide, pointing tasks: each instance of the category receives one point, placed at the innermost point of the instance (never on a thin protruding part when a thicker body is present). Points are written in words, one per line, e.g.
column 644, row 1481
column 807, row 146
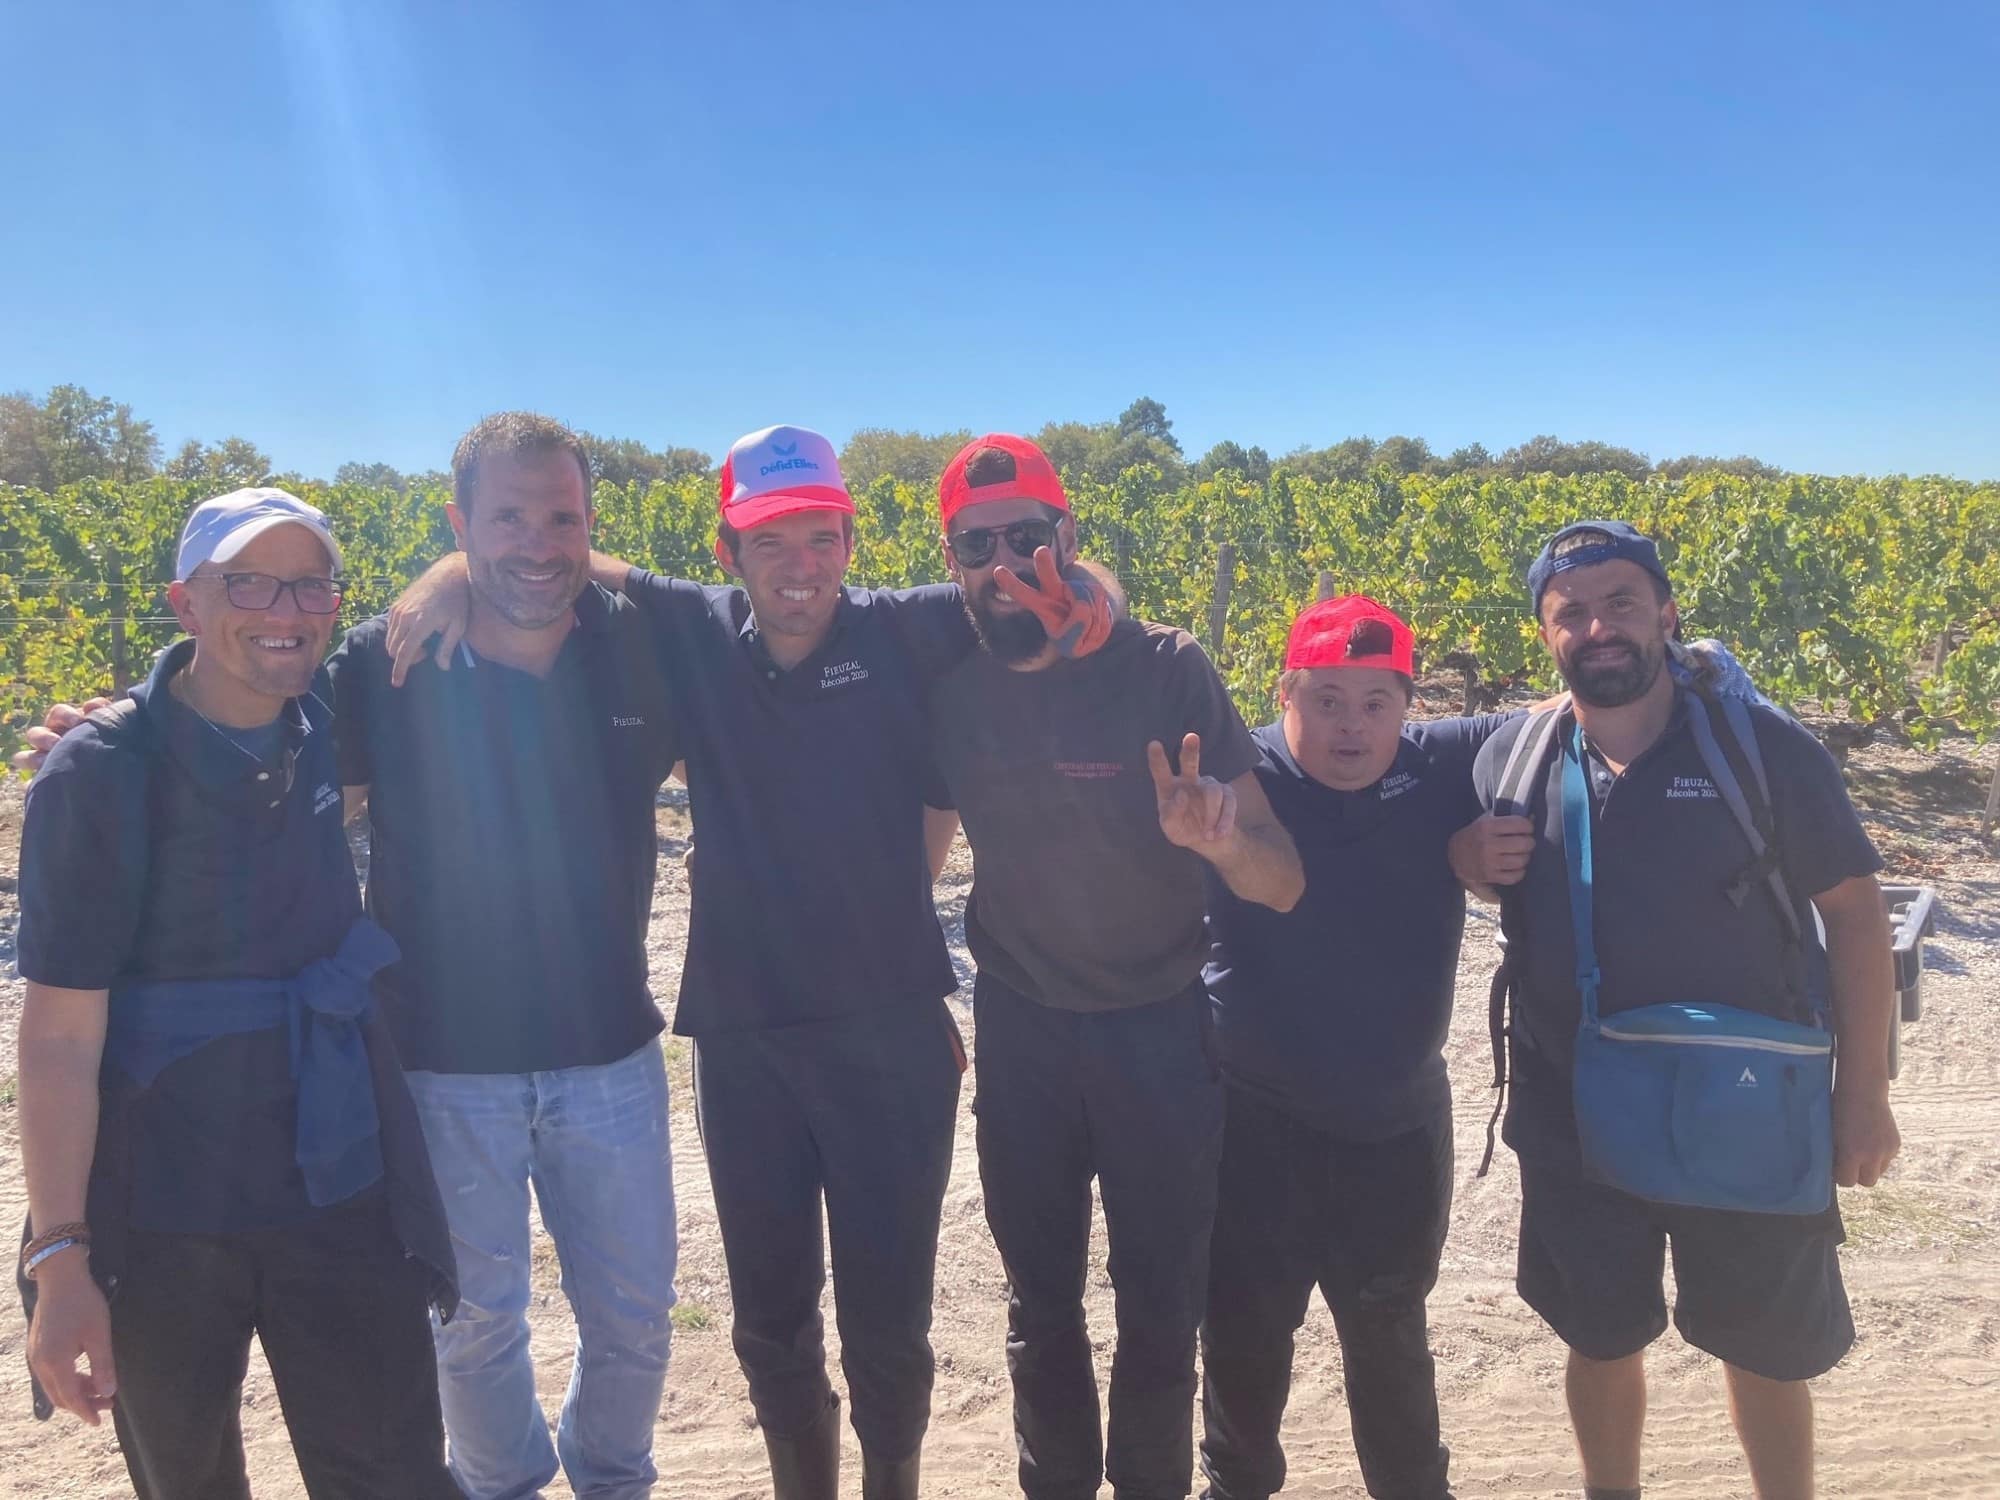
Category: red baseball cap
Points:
column 1323, row 636
column 1030, row 477
column 778, row 471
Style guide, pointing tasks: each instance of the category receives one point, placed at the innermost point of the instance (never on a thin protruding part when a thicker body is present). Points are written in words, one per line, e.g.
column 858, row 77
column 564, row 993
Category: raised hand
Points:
column 1196, row 812
column 1072, row 609
column 437, row 604
column 58, row 722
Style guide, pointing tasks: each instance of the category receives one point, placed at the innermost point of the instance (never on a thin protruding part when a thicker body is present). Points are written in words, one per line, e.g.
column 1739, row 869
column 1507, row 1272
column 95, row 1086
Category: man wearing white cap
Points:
column 215, row 1133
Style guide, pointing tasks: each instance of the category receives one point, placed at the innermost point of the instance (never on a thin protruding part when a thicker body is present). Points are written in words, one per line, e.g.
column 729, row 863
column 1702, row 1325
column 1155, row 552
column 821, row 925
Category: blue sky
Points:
column 348, row 229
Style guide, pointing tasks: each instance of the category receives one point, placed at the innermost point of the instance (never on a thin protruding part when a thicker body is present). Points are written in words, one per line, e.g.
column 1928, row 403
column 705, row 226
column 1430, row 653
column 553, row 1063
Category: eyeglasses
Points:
column 314, row 596
column 975, row 545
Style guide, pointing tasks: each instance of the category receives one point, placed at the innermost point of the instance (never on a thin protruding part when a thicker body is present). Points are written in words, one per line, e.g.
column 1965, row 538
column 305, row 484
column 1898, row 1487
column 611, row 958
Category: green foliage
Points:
column 1832, row 590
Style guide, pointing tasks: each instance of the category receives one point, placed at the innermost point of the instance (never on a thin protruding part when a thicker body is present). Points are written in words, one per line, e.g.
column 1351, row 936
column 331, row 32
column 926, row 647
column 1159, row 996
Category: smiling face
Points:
column 1607, row 625
column 254, row 659
column 1005, row 628
column 1344, row 724
column 525, row 529
column 792, row 569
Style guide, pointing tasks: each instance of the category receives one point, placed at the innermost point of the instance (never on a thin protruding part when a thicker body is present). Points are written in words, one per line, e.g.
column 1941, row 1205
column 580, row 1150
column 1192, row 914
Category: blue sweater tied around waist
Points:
column 156, row 1024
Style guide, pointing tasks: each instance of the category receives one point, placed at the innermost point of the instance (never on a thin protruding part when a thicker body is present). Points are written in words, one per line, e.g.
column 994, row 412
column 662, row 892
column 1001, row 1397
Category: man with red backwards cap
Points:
column 1086, row 922
column 1331, row 1020
column 826, row 1067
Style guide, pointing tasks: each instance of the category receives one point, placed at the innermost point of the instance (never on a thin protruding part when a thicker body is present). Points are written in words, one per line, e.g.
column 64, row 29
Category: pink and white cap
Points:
column 218, row 529
column 778, row 471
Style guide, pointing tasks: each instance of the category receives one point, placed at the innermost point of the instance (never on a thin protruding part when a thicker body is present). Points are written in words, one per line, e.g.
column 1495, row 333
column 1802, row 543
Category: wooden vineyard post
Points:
column 1326, row 586
column 1218, row 611
column 1992, row 801
column 114, row 577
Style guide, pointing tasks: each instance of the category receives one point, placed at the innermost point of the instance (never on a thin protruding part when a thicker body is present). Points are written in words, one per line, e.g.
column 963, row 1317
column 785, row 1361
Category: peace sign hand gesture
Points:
column 1196, row 812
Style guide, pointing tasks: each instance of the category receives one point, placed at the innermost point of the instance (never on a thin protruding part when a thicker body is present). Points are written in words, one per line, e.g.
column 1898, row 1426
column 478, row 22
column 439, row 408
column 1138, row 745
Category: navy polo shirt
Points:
column 1665, row 851
column 154, row 847
column 512, row 842
column 810, row 890
column 1336, row 1011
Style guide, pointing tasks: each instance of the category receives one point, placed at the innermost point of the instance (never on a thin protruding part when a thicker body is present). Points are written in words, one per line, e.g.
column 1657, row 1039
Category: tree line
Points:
column 69, row 435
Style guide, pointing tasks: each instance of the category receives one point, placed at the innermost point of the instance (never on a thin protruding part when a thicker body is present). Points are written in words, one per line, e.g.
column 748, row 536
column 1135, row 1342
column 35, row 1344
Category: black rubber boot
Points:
column 881, row 1480
column 807, row 1467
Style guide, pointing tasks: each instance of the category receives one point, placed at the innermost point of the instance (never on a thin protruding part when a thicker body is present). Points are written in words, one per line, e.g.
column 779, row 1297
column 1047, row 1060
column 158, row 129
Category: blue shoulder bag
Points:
column 1693, row 1103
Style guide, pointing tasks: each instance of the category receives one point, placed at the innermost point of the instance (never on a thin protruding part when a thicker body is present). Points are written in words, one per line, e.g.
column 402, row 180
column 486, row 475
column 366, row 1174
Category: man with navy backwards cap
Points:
column 215, row 1133
column 1673, row 922
column 826, row 1066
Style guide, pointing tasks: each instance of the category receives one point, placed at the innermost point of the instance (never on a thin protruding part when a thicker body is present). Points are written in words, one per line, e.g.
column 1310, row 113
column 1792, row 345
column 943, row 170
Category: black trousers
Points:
column 1365, row 1223
column 858, row 1111
column 1131, row 1098
column 343, row 1318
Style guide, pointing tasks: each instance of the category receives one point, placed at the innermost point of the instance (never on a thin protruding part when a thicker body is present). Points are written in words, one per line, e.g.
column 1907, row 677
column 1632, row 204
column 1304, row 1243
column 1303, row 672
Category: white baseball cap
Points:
column 218, row 529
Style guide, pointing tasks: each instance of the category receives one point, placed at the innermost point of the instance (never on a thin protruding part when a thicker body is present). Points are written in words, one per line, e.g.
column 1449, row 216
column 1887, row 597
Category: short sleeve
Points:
column 932, row 625
column 349, row 673
column 1820, row 838
column 1227, row 750
column 1455, row 743
column 1453, row 747
column 83, row 864
column 1488, row 761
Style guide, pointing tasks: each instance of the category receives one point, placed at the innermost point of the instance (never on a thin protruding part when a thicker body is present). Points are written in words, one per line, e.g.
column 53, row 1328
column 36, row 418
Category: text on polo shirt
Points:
column 1692, row 786
column 840, row 673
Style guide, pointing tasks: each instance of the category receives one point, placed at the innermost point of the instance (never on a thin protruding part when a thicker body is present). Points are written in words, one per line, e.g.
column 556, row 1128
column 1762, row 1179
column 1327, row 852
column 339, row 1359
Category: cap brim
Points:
column 247, row 533
column 763, row 508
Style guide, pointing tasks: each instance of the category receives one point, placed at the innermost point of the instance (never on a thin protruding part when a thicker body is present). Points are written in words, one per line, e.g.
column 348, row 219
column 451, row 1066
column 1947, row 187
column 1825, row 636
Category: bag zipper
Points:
column 1751, row 1044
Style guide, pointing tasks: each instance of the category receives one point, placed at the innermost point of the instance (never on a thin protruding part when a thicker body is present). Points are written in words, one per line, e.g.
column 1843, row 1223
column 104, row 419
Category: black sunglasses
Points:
column 975, row 545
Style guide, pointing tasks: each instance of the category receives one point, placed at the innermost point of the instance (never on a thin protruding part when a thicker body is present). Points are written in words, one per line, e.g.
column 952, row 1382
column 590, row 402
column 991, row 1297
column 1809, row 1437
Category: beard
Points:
column 1008, row 638
column 523, row 607
column 1613, row 674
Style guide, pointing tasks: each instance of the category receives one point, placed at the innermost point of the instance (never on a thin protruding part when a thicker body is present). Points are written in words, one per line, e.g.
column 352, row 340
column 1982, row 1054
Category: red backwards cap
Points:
column 1323, row 636
column 1030, row 476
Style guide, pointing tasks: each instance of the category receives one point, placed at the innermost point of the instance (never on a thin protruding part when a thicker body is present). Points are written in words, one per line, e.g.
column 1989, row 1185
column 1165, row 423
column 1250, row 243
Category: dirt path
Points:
column 1915, row 1410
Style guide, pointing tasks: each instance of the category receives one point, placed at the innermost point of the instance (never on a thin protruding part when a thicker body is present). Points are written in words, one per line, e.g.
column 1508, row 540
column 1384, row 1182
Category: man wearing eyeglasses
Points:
column 1091, row 1023
column 216, row 1136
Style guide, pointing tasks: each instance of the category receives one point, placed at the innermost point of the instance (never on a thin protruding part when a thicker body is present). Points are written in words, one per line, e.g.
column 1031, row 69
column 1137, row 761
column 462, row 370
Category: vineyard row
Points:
column 1872, row 598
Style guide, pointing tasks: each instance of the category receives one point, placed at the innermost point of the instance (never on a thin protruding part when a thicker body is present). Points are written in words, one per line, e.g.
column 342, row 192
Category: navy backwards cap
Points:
column 1585, row 543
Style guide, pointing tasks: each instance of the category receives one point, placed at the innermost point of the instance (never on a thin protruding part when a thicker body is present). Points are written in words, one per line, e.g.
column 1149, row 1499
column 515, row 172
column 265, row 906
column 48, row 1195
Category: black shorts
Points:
column 1758, row 1291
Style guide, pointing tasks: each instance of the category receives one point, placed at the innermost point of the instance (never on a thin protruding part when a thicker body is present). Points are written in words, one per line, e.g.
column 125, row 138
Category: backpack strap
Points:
column 1748, row 799
column 1513, row 796
column 1514, row 793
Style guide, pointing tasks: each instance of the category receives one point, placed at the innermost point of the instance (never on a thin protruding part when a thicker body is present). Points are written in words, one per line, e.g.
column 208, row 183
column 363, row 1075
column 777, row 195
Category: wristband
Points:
column 28, row 1266
column 76, row 1231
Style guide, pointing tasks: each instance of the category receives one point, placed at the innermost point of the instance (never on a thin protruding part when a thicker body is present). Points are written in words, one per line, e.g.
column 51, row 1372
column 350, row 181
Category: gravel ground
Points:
column 1909, row 1412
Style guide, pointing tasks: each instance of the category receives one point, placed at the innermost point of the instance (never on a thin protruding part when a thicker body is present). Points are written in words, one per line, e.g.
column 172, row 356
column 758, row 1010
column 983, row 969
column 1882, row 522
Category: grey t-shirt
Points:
column 1078, row 900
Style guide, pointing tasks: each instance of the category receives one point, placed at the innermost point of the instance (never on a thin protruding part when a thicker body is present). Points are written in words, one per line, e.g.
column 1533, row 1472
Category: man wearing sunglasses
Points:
column 1091, row 1021
column 826, row 1066
column 216, row 1136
